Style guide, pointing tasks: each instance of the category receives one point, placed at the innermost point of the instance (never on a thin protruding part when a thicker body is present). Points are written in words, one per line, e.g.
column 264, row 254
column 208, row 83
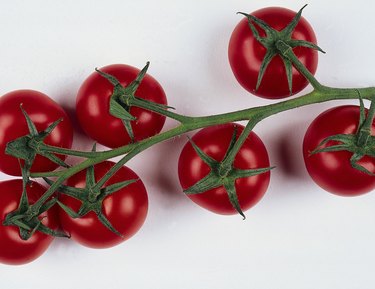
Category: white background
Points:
column 298, row 236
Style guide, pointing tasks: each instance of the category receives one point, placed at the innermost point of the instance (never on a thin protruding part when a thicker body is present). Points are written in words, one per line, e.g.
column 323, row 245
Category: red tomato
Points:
column 93, row 107
column 246, row 55
column 126, row 209
column 43, row 111
column 214, row 141
column 14, row 250
column 332, row 170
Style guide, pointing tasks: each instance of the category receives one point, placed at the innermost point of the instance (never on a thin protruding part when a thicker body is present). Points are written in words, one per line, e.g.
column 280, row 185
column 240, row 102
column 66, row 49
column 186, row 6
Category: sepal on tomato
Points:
column 360, row 144
column 222, row 175
column 91, row 197
column 28, row 223
column 123, row 98
column 29, row 146
column 272, row 42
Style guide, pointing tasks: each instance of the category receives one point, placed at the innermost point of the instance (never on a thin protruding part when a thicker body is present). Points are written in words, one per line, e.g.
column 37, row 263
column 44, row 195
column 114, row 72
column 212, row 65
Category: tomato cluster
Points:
column 23, row 112
column 223, row 168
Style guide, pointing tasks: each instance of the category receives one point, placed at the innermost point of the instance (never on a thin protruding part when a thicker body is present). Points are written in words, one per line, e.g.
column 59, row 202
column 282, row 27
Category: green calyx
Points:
column 26, row 148
column 29, row 146
column 277, row 43
column 360, row 144
column 123, row 98
column 223, row 174
column 28, row 221
column 91, row 197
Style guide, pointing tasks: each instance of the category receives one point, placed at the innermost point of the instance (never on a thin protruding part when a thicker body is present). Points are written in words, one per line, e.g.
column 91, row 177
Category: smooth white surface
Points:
column 298, row 236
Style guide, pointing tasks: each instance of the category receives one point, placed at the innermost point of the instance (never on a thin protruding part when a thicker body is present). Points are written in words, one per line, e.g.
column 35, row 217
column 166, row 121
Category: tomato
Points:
column 214, row 141
column 14, row 250
column 93, row 102
column 125, row 209
column 332, row 170
column 246, row 55
column 43, row 111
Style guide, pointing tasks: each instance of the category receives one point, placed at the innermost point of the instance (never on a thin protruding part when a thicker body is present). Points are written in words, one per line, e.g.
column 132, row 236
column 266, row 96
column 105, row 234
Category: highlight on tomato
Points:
column 43, row 112
column 254, row 56
column 237, row 189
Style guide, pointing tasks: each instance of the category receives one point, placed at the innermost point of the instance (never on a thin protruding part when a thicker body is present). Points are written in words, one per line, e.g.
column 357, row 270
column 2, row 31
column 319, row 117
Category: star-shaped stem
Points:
column 91, row 198
column 271, row 40
column 29, row 225
column 220, row 175
column 123, row 97
column 28, row 147
column 360, row 144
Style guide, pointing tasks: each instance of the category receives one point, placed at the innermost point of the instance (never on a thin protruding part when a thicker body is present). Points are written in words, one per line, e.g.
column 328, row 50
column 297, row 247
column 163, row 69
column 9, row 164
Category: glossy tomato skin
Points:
column 126, row 209
column 214, row 141
column 14, row 250
column 246, row 55
column 43, row 111
column 332, row 170
column 93, row 107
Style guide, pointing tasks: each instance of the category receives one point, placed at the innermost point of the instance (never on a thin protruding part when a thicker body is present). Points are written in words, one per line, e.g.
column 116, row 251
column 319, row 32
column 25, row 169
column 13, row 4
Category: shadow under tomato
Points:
column 288, row 152
column 167, row 176
column 71, row 111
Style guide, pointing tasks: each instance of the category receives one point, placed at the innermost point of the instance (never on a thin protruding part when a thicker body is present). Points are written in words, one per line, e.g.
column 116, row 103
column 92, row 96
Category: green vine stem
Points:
column 227, row 163
column 254, row 115
column 287, row 51
column 193, row 123
column 364, row 132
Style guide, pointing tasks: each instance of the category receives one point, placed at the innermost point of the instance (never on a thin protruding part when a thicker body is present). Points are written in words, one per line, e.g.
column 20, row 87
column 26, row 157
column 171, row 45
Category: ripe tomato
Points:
column 214, row 141
column 43, row 111
column 125, row 209
column 332, row 170
column 246, row 55
column 14, row 250
column 93, row 102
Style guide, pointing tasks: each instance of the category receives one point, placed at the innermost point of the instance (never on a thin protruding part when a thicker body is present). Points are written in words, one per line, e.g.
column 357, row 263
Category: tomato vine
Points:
column 124, row 96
